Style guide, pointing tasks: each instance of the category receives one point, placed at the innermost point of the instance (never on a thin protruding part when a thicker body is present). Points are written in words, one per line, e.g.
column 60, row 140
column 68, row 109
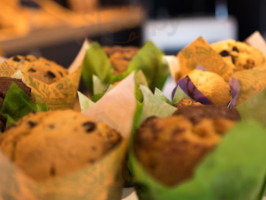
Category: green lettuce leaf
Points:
column 254, row 108
column 18, row 104
column 235, row 170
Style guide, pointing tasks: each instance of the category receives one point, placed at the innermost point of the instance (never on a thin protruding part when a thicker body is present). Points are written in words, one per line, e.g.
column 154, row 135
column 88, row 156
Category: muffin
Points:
column 212, row 86
column 55, row 143
column 39, row 68
column 239, row 55
column 171, row 148
column 5, row 83
column 120, row 57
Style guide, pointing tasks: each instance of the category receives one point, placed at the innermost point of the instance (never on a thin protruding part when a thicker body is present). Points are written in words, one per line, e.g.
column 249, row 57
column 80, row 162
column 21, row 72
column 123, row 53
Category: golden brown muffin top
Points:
column 171, row 148
column 55, row 143
column 40, row 68
column 239, row 55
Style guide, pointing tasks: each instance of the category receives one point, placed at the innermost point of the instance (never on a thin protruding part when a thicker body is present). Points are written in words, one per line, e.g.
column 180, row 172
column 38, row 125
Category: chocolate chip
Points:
column 235, row 49
column 233, row 60
column 52, row 171
column 31, row 70
column 91, row 161
column 90, row 126
column 32, row 124
column 50, row 75
column 51, row 126
column 27, row 59
column 224, row 53
column 16, row 59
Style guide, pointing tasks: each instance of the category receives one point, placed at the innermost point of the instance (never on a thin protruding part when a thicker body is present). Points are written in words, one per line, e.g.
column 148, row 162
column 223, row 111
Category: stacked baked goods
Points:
column 45, row 148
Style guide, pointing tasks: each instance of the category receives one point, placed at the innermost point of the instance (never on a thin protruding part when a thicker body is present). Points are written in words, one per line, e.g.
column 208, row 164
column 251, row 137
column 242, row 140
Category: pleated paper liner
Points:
column 58, row 95
column 200, row 53
column 100, row 181
column 254, row 80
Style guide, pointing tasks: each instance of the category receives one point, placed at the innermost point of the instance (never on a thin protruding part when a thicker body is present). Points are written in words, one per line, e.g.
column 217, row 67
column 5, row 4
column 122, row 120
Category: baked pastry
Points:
column 39, row 68
column 55, row 143
column 239, row 55
column 5, row 83
column 212, row 86
column 171, row 148
column 120, row 57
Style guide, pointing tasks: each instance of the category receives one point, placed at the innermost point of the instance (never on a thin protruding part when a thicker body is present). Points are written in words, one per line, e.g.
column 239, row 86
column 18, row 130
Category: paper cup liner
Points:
column 58, row 95
column 99, row 181
column 200, row 52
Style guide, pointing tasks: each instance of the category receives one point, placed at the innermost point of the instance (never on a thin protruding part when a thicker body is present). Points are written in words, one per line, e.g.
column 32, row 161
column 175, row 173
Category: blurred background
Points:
column 56, row 29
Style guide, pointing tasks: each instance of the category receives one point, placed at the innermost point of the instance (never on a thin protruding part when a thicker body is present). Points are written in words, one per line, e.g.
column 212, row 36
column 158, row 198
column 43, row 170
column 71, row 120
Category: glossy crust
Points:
column 55, row 143
column 239, row 55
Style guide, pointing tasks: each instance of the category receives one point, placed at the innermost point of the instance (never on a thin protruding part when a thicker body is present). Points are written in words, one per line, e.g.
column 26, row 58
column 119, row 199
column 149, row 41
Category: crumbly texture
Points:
column 39, row 68
column 120, row 57
column 5, row 83
column 171, row 148
column 239, row 55
column 212, row 86
column 55, row 143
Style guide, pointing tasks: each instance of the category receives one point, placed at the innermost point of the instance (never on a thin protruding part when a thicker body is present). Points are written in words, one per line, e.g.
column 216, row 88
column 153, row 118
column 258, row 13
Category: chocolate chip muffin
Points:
column 120, row 57
column 5, row 83
column 212, row 86
column 55, row 143
column 39, row 68
column 239, row 55
column 171, row 148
